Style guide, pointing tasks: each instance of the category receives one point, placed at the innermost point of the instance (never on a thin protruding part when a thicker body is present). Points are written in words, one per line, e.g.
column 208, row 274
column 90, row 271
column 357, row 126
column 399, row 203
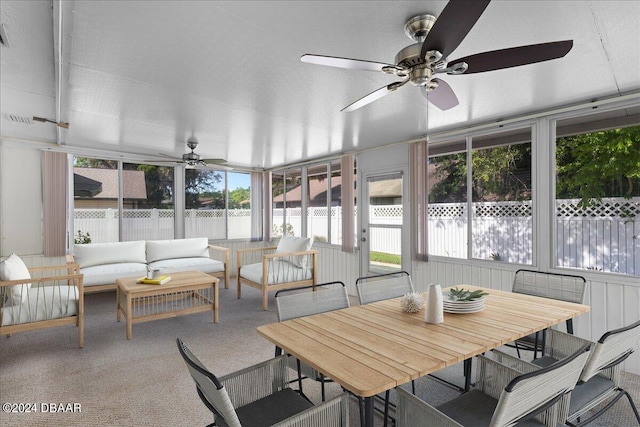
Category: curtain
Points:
column 419, row 199
column 347, row 201
column 267, row 212
column 54, row 186
column 257, row 189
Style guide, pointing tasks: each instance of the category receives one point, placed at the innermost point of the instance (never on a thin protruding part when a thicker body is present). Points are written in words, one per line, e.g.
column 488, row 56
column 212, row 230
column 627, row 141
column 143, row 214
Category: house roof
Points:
column 133, row 182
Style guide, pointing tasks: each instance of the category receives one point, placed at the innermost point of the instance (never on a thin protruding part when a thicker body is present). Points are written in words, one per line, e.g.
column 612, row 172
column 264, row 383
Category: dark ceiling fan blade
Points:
column 352, row 64
column 442, row 96
column 515, row 56
column 453, row 24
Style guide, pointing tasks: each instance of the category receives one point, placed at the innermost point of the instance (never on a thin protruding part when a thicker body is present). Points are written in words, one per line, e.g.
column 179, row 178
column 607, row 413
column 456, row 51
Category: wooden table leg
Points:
column 215, row 300
column 129, row 316
column 118, row 303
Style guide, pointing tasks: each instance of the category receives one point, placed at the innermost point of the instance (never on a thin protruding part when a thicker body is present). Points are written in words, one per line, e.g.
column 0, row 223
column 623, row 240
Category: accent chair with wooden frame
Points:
column 40, row 297
column 291, row 264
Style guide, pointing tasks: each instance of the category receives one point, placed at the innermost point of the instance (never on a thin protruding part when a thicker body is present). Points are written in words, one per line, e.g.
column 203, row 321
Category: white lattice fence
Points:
column 604, row 237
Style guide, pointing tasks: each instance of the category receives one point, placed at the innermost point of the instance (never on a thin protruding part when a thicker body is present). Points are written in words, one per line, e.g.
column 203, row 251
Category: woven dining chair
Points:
column 259, row 396
column 383, row 286
column 503, row 397
column 380, row 287
column 562, row 287
column 305, row 301
column 600, row 380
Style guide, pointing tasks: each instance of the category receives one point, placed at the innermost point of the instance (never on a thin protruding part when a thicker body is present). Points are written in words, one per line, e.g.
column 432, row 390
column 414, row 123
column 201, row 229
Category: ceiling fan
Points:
column 193, row 159
column 419, row 63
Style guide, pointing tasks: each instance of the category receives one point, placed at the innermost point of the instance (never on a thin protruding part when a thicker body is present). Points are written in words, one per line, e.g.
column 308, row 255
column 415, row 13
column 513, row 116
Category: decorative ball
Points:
column 412, row 302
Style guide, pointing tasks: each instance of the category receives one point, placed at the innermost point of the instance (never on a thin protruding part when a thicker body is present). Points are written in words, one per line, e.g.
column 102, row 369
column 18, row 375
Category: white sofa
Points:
column 103, row 263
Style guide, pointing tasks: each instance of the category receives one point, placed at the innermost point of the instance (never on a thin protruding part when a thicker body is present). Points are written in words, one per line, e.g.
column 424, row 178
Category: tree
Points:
column 200, row 183
column 239, row 198
column 599, row 164
column 499, row 173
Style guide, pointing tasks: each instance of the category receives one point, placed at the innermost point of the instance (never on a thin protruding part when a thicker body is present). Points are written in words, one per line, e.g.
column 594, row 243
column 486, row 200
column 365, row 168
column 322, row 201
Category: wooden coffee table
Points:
column 186, row 293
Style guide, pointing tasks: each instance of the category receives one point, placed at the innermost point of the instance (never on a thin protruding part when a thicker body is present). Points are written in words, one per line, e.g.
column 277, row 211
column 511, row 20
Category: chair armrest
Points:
column 255, row 382
column 312, row 252
column 325, row 413
column 492, row 376
column 253, row 254
column 51, row 274
column 411, row 411
column 225, row 252
column 560, row 344
column 514, row 362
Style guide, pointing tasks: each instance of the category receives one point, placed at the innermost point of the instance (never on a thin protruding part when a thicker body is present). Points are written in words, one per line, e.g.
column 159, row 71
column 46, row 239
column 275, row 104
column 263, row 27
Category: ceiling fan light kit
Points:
column 436, row 39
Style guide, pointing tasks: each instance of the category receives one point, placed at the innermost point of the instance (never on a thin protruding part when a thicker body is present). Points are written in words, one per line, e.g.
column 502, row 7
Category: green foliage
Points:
column 240, row 198
column 599, row 164
column 82, row 238
column 499, row 173
column 385, row 258
column 462, row 294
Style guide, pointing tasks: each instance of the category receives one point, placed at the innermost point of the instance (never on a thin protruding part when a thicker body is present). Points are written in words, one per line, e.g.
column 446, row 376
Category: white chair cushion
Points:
column 177, row 248
column 109, row 253
column 109, row 273
column 13, row 268
column 42, row 303
column 295, row 244
column 205, row 265
column 279, row 272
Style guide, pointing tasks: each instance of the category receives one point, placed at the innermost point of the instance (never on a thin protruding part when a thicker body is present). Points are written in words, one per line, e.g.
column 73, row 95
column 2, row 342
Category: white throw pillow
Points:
column 295, row 244
column 13, row 268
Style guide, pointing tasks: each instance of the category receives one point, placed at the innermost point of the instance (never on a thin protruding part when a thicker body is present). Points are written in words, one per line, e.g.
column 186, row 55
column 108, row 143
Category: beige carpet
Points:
column 144, row 381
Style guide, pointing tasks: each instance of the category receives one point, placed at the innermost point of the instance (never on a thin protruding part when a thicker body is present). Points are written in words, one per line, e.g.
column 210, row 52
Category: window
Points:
column 148, row 202
column 217, row 204
column 491, row 219
column 204, row 214
column 95, row 200
column 447, row 182
column 501, row 227
column 315, row 189
column 597, row 203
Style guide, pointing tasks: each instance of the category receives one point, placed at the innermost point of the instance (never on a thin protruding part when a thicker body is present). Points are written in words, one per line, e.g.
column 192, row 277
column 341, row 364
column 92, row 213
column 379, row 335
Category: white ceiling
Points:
column 140, row 77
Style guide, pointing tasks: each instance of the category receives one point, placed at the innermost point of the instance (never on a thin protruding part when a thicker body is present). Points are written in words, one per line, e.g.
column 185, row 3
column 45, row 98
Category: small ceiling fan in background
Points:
column 193, row 159
column 419, row 63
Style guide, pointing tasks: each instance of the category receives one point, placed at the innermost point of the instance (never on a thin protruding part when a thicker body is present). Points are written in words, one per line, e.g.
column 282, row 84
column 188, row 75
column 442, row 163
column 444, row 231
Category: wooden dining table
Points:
column 369, row 349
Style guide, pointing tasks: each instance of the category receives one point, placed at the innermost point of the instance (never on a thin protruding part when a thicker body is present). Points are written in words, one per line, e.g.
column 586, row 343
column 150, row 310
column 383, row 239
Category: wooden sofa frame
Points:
column 267, row 254
column 220, row 274
column 40, row 276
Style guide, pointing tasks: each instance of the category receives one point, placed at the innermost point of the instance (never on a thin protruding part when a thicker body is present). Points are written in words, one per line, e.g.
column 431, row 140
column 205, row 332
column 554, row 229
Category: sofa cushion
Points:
column 205, row 265
column 279, row 272
column 295, row 244
column 43, row 303
column 107, row 274
column 177, row 248
column 109, row 253
column 13, row 268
